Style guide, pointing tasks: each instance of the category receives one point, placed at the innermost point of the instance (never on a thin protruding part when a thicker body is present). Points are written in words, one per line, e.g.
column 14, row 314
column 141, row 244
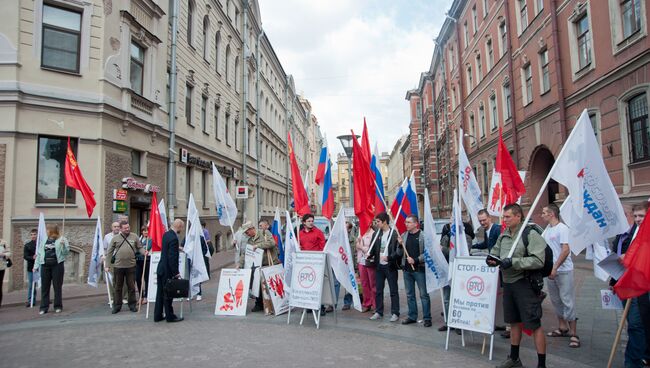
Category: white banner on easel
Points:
column 152, row 286
column 307, row 280
column 253, row 262
column 232, row 296
column 274, row 278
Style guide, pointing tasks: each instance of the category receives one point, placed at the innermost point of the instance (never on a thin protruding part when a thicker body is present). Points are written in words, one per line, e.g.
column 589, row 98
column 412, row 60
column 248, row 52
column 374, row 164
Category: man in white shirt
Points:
column 560, row 281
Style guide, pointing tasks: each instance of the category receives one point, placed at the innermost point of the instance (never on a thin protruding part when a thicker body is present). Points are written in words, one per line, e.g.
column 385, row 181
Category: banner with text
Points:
column 307, row 280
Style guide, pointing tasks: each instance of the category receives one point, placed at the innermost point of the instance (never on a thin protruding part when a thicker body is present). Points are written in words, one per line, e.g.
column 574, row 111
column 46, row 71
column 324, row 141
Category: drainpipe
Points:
column 257, row 122
column 558, row 70
column 515, row 141
column 173, row 86
column 288, row 114
column 243, row 105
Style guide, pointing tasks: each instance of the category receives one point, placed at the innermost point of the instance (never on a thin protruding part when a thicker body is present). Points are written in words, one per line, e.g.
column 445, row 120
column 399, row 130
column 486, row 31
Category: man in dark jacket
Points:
column 385, row 252
column 414, row 273
column 29, row 255
column 167, row 269
column 492, row 231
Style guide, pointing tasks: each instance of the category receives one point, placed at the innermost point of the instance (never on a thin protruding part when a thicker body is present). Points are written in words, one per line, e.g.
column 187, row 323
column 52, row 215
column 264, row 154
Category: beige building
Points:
column 395, row 169
column 100, row 73
column 343, row 182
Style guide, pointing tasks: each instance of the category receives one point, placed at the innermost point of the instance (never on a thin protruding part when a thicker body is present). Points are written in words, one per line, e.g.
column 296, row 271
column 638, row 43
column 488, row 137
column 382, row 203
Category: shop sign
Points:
column 242, row 192
column 132, row 184
column 119, row 194
column 120, row 206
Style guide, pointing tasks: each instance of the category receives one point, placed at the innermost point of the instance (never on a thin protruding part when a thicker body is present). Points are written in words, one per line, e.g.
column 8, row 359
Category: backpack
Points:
column 548, row 252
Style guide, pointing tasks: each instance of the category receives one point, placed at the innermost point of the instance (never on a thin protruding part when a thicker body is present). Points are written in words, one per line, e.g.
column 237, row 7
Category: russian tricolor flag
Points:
column 379, row 189
column 275, row 231
column 324, row 180
column 408, row 200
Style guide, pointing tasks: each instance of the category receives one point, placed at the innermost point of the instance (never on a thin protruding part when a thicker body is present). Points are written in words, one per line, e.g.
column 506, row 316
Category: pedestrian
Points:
column 522, row 302
column 412, row 243
column 50, row 260
column 167, row 269
column 122, row 254
column 492, row 231
column 560, row 282
column 445, row 245
column 262, row 240
column 142, row 265
column 385, row 251
column 636, row 350
column 115, row 229
column 29, row 255
column 312, row 239
column 367, row 269
column 5, row 260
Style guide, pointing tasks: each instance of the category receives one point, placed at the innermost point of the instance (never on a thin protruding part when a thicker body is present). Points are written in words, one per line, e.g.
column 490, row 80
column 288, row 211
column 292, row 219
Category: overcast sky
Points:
column 355, row 58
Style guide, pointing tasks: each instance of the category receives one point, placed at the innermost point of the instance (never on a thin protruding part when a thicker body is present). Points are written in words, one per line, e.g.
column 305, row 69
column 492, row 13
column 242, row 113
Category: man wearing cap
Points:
column 265, row 241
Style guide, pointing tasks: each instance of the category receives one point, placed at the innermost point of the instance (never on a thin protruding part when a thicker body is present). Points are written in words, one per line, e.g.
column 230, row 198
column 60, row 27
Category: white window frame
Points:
column 507, row 98
column 544, row 72
column 618, row 39
column 503, row 36
column 481, row 120
column 494, row 111
column 578, row 72
column 479, row 68
column 526, row 75
column 489, row 51
column 539, row 6
column 521, row 27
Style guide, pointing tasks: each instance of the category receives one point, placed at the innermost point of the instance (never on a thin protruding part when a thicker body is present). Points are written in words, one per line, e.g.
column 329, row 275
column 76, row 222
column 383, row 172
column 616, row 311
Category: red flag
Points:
column 156, row 228
column 636, row 278
column 364, row 187
column 74, row 179
column 300, row 199
column 365, row 142
column 511, row 183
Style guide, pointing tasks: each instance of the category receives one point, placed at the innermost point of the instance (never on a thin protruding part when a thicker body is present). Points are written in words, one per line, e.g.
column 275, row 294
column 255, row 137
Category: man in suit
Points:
column 492, row 231
column 167, row 269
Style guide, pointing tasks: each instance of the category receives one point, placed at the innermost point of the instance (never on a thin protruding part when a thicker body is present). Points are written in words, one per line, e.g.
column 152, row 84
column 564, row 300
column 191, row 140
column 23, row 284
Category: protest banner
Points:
column 311, row 285
column 472, row 302
column 232, row 295
column 274, row 280
column 253, row 262
column 152, row 286
column 609, row 300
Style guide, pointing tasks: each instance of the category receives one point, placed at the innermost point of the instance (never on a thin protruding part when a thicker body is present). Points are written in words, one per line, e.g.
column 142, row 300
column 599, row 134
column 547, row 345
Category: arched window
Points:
column 206, row 41
column 236, row 74
column 217, row 47
column 190, row 21
column 228, row 63
column 637, row 108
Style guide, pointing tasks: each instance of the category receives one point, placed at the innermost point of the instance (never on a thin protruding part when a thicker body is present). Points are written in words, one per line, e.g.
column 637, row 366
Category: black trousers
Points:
column 121, row 275
column 140, row 267
column 386, row 273
column 52, row 276
column 2, row 278
column 644, row 310
column 163, row 302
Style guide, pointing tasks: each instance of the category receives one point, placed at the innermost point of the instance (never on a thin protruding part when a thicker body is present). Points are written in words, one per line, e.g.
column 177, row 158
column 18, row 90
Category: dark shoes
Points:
column 116, row 310
column 257, row 308
column 345, row 307
column 155, row 319
column 175, row 319
column 330, row 309
column 133, row 308
column 427, row 323
column 442, row 328
column 408, row 321
column 509, row 363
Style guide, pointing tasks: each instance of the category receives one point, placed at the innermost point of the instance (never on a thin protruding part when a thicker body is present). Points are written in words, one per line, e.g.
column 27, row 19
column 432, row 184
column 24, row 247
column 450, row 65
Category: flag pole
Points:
column 618, row 333
column 390, row 217
column 144, row 267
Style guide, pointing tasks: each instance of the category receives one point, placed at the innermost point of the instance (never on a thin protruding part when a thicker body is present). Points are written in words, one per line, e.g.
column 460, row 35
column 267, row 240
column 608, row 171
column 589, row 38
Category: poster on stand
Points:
column 274, row 279
column 253, row 262
column 232, row 295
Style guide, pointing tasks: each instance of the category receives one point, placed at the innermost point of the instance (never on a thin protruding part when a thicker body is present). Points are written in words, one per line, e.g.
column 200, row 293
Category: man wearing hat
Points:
column 261, row 240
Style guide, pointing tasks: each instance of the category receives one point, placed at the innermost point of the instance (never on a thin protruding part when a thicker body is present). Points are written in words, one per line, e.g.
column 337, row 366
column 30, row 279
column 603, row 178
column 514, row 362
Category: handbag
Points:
column 9, row 263
column 177, row 288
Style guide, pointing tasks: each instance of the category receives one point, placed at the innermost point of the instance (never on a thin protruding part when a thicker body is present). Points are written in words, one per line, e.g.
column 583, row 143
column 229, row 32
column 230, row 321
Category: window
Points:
column 206, row 40
column 237, row 73
column 216, row 121
column 470, row 80
column 228, row 64
column 188, row 104
column 190, row 21
column 50, row 171
column 507, row 113
column 481, row 117
column 527, row 77
column 485, row 8
column 237, row 18
column 584, row 42
column 631, row 14
column 188, row 183
column 204, row 188
column 453, row 98
column 639, row 128
column 465, row 34
column 543, row 64
column 479, row 69
column 503, row 37
column 493, row 112
column 471, row 127
column 227, row 128
column 204, row 118
column 137, row 67
column 595, row 124
column 523, row 15
column 490, row 54
column 217, row 47
column 474, row 19
column 486, row 182
column 136, row 162
column 61, row 42
column 236, row 135
column 418, row 110
column 539, row 6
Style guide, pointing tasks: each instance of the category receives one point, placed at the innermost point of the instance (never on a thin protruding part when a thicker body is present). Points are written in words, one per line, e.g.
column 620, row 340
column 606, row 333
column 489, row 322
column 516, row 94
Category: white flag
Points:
column 41, row 238
column 470, row 191
column 226, row 208
column 594, row 209
column 290, row 247
column 95, row 268
column 192, row 247
column 339, row 255
column 163, row 214
column 458, row 241
column 496, row 198
column 436, row 266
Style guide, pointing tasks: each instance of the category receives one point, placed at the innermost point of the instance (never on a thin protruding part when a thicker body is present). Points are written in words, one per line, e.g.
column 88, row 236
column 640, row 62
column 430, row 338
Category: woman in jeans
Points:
column 50, row 260
column 4, row 256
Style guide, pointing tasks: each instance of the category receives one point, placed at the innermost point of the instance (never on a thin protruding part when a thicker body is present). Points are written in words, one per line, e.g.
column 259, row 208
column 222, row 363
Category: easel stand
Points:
column 316, row 312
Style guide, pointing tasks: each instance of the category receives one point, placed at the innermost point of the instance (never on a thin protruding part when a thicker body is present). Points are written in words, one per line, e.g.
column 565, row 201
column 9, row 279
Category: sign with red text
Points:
column 274, row 279
column 472, row 302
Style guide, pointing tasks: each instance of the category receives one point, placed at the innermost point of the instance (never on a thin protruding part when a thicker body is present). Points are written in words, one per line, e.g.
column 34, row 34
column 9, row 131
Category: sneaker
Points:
column 58, row 310
column 509, row 363
column 442, row 328
column 124, row 301
column 408, row 321
column 394, row 318
column 199, row 298
column 427, row 323
column 375, row 316
column 42, row 312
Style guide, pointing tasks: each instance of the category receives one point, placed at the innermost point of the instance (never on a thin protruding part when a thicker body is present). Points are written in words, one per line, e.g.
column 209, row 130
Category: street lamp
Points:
column 346, row 142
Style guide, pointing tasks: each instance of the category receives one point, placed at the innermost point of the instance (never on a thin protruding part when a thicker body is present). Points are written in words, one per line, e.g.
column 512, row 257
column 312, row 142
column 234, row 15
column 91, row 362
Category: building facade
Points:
column 395, row 170
column 532, row 67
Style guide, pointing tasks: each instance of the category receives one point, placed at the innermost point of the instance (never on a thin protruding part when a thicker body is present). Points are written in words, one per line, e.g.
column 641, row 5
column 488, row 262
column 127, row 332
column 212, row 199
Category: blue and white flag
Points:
column 163, row 214
column 436, row 266
column 95, row 268
column 469, row 190
column 192, row 248
column 226, row 208
column 291, row 246
column 340, row 258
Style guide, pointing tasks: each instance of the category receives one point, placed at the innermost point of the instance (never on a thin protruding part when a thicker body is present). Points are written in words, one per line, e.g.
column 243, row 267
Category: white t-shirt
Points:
column 384, row 244
column 107, row 240
column 555, row 236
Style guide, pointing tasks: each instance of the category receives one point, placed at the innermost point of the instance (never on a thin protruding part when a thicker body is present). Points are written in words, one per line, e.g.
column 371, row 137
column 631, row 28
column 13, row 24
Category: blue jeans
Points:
column 347, row 298
column 410, row 279
column 30, row 285
column 635, row 349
